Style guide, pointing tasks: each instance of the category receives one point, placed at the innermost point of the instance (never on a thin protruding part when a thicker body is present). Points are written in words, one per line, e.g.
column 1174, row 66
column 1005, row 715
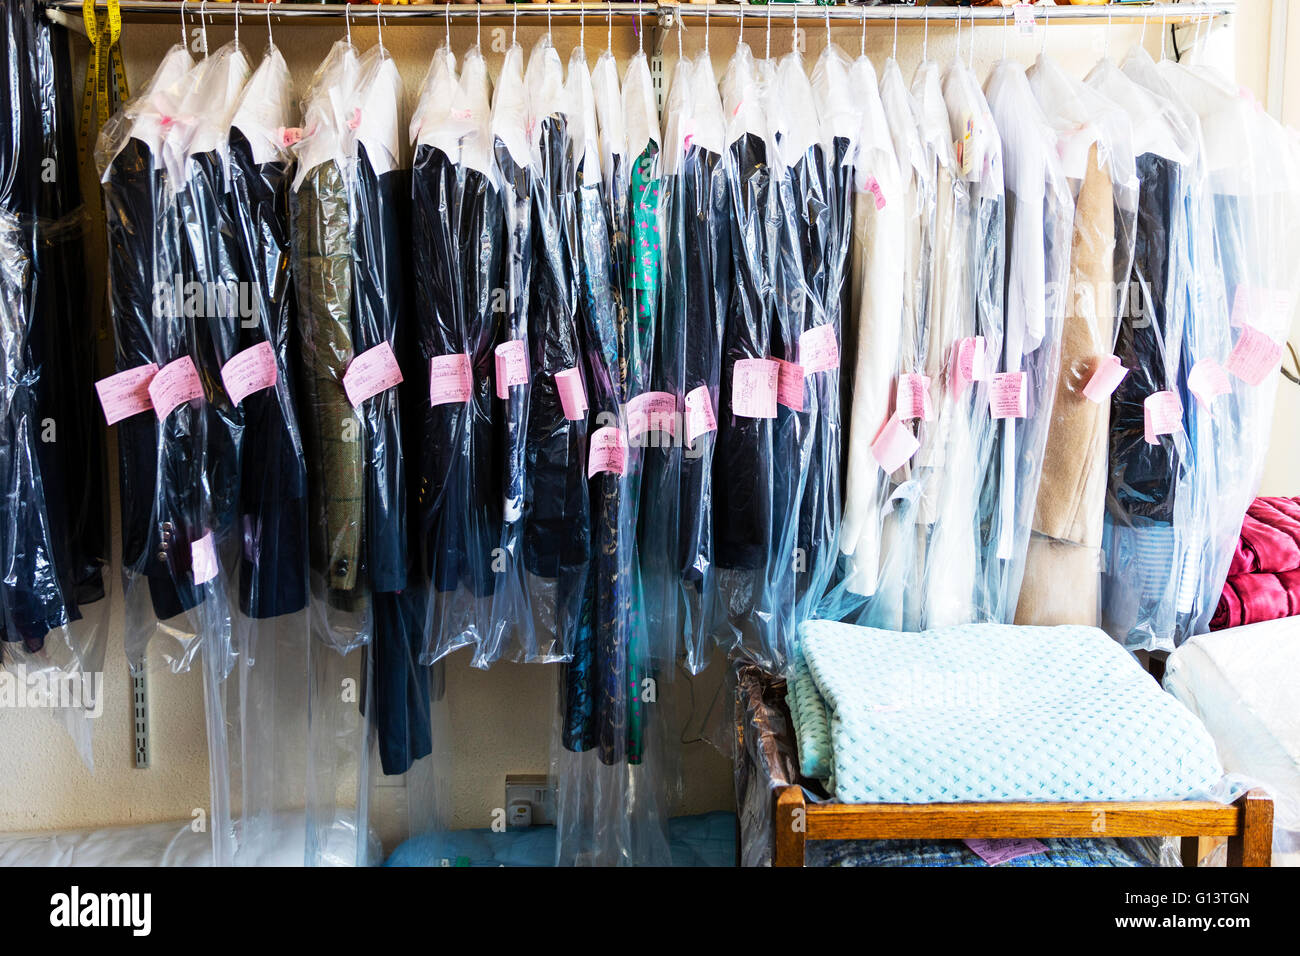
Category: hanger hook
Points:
column 582, row 27
column 640, row 33
column 379, row 24
column 446, row 23
column 203, row 10
column 609, row 27
column 347, row 22
column 549, row 39
column 740, row 35
column 767, row 48
column 478, row 25
column 1164, row 24
column 270, row 40
column 1142, row 37
column 827, row 8
column 1006, row 26
column 1042, row 47
column 185, row 40
column 794, row 31
column 236, row 22
column 925, row 42
column 706, row 28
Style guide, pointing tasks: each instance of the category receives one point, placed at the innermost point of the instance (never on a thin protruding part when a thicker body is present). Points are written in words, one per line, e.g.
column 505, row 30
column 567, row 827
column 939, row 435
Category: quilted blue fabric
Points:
column 995, row 712
column 1123, row 853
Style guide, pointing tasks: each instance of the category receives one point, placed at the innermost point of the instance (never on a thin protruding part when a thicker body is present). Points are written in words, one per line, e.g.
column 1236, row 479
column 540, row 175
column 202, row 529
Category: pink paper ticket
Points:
column 789, row 385
column 608, row 452
column 651, row 411
column 373, row 371
column 1255, row 355
column 873, row 187
column 1007, row 398
column 451, row 379
column 250, row 371
column 512, row 366
column 126, row 393
column 968, row 363
column 819, row 351
column 176, row 383
column 573, row 395
column 1162, row 414
column 1105, row 379
column 1207, row 381
column 914, row 397
column 894, row 445
column 203, row 559
column 753, row 388
column 699, row 414
column 994, row 852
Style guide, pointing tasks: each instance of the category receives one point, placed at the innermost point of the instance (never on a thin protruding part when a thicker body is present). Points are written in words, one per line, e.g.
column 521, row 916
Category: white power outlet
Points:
column 536, row 790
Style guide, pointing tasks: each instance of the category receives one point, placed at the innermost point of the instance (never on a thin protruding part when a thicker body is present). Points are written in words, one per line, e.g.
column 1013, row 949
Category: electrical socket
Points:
column 537, row 791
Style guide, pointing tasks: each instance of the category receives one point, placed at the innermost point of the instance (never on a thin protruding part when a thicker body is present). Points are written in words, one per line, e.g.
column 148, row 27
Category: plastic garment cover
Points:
column 1039, row 230
column 53, row 532
column 944, row 428
column 676, row 541
column 546, row 525
column 1095, row 142
column 459, row 257
column 609, row 755
column 968, row 518
column 1243, row 309
column 1152, row 501
column 743, row 458
column 871, row 349
column 158, row 303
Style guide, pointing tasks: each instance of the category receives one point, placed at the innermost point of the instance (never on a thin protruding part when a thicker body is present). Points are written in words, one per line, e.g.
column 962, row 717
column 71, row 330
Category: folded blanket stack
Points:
column 1264, row 577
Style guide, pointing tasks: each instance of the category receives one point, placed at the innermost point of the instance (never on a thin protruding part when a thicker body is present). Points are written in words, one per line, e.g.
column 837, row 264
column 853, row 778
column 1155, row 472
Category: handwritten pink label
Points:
column 699, row 414
column 818, row 350
column 873, row 187
column 894, row 445
column 1162, row 414
column 914, row 397
column 354, row 121
column 789, row 385
column 573, row 395
column 451, row 379
column 203, row 559
column 176, row 383
column 753, row 388
column 1105, row 379
column 994, row 852
column 1207, row 381
column 1268, row 310
column 290, row 135
column 651, row 411
column 126, row 393
column 1254, row 356
column 968, row 364
column 608, row 452
column 1007, row 395
column 1024, row 19
column 373, row 371
column 250, row 371
column 512, row 366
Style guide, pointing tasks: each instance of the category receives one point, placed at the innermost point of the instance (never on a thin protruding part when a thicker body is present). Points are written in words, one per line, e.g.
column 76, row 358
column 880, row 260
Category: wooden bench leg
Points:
column 790, row 823
column 1191, row 850
column 1253, row 845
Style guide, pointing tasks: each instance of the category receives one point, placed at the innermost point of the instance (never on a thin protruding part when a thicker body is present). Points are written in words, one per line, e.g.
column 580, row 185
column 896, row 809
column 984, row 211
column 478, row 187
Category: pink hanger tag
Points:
column 699, row 414
column 451, row 379
column 873, row 187
column 126, row 393
column 608, row 452
column 176, row 383
column 1024, row 19
column 512, row 366
column 1207, row 381
column 651, row 411
column 968, row 363
column 894, row 446
column 913, row 400
column 373, row 371
column 289, row 136
column 1254, row 356
column 1105, row 379
column 203, row 559
column 818, row 350
column 753, row 388
column 250, row 371
column 573, row 395
column 789, row 385
column 1007, row 395
column 1162, row 414
column 994, row 852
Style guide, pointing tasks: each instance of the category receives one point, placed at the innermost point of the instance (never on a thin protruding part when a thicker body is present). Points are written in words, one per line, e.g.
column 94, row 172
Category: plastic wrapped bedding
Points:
column 992, row 712
column 1060, row 852
column 1241, row 683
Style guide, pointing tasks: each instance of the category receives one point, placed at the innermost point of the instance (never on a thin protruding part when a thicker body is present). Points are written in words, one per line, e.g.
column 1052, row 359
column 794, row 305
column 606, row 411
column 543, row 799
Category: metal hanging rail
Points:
column 163, row 11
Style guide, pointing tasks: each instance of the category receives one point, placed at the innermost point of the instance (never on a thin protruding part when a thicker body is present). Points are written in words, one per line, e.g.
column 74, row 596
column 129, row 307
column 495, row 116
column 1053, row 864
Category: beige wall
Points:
column 501, row 719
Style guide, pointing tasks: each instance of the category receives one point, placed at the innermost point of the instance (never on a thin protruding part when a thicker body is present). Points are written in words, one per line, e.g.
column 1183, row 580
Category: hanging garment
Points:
column 459, row 257
column 272, row 518
column 871, row 342
column 1039, row 230
column 1066, row 543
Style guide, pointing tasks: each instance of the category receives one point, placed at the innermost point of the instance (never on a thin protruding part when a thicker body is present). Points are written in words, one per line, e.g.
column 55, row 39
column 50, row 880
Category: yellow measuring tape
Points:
column 105, row 72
